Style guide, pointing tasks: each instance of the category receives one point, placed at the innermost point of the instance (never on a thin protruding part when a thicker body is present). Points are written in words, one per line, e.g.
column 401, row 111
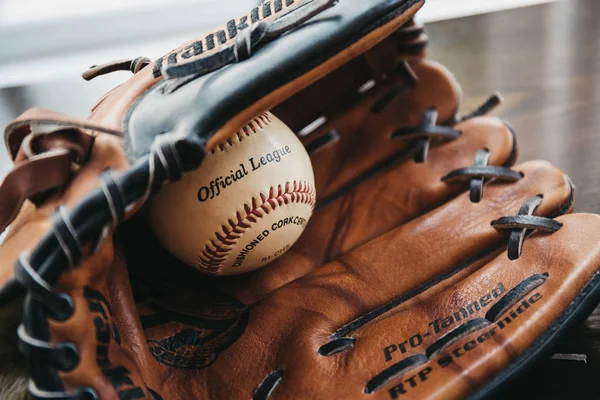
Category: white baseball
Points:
column 244, row 207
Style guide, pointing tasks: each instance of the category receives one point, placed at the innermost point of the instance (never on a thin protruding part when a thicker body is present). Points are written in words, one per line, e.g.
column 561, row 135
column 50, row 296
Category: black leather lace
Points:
column 427, row 131
column 62, row 249
column 524, row 221
column 479, row 172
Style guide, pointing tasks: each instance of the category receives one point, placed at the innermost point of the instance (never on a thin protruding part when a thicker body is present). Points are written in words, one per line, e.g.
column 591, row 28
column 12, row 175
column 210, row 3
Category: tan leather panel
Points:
column 386, row 200
column 469, row 362
column 363, row 280
column 111, row 111
column 407, row 190
column 364, row 135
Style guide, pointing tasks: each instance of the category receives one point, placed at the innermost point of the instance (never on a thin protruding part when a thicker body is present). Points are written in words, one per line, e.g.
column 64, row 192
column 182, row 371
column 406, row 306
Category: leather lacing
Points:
column 395, row 371
column 425, row 133
column 107, row 207
column 493, row 315
column 247, row 41
column 48, row 143
column 521, row 225
column 135, row 66
column 480, row 171
column 412, row 39
column 430, row 131
column 492, row 102
column 267, row 386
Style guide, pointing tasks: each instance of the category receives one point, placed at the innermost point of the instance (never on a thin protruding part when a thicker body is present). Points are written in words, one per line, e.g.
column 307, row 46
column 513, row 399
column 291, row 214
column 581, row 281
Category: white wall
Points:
column 436, row 10
column 43, row 40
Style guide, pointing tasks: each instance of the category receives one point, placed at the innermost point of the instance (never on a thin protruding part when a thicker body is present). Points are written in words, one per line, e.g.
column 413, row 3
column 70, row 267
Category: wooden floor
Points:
column 545, row 60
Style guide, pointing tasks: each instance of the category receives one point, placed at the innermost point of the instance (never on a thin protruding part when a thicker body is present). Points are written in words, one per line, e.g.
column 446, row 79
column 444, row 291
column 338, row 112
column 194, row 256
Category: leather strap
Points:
column 134, row 66
column 43, row 160
column 76, row 141
column 23, row 181
column 39, row 119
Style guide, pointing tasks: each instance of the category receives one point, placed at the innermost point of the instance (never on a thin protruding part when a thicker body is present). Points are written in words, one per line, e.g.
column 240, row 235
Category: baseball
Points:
column 244, row 207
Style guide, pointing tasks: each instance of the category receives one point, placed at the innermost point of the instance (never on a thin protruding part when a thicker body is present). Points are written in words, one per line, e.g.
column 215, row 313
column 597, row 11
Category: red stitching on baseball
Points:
column 254, row 126
column 216, row 252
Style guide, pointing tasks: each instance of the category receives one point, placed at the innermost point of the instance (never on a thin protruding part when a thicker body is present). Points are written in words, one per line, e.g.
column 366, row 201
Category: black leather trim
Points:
column 266, row 387
column 525, row 221
column 398, row 369
column 114, row 196
column 205, row 104
column 515, row 294
column 455, row 335
column 335, row 346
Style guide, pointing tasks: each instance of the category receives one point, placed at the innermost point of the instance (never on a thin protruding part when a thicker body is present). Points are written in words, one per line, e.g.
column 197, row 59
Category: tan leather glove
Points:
column 402, row 284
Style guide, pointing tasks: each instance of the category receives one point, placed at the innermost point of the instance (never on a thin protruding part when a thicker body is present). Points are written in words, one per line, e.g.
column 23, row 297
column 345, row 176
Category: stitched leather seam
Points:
column 254, row 126
column 218, row 250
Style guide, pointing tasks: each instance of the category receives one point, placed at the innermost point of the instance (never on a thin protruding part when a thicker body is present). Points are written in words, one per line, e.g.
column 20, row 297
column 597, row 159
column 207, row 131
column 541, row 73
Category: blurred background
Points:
column 46, row 45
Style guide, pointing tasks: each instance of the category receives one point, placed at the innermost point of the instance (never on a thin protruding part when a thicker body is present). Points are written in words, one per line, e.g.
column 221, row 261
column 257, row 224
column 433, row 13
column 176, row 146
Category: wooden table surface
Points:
column 545, row 60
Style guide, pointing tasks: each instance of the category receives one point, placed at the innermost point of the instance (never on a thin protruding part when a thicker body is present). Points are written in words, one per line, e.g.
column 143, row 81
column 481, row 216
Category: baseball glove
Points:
column 431, row 268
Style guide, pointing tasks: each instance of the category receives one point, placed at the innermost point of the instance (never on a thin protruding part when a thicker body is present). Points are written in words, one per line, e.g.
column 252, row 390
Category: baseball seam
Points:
column 218, row 250
column 254, row 126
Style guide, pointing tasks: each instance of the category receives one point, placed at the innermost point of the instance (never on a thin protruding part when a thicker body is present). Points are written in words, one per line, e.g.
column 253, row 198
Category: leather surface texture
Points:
column 434, row 267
